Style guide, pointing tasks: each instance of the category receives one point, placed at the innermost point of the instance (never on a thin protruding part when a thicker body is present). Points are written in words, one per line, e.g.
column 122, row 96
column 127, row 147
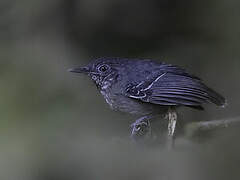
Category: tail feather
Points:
column 216, row 98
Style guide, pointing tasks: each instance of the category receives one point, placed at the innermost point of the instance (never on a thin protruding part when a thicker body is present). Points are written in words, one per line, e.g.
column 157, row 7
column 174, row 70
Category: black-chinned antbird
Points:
column 148, row 88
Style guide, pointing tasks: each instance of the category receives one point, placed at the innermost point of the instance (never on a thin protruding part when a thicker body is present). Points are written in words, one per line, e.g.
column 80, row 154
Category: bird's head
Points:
column 101, row 70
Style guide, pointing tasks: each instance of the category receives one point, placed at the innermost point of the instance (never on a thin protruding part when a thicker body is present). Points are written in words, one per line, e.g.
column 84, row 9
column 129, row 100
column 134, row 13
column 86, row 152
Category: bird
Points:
column 146, row 88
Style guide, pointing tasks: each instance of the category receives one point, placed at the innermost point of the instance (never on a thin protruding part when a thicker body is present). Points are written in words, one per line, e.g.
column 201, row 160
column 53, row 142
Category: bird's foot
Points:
column 172, row 120
column 141, row 129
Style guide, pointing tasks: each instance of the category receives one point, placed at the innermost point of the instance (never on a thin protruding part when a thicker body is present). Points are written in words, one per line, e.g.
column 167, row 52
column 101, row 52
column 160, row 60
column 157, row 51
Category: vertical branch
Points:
column 172, row 120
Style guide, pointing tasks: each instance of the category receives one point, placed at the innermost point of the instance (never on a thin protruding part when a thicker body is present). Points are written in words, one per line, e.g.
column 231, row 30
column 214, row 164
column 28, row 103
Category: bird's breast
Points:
column 107, row 97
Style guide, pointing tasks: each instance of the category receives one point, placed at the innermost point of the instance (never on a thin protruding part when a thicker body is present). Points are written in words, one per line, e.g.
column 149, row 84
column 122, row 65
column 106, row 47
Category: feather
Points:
column 174, row 86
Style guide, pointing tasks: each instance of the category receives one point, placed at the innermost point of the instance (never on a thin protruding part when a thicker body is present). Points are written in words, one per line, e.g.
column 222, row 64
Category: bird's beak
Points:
column 84, row 70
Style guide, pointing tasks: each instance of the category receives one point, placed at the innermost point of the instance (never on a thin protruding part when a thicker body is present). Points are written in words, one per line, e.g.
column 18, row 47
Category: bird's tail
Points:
column 215, row 97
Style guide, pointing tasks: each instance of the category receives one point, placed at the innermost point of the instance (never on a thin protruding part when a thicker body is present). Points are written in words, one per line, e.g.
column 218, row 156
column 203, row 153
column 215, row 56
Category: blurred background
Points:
column 55, row 125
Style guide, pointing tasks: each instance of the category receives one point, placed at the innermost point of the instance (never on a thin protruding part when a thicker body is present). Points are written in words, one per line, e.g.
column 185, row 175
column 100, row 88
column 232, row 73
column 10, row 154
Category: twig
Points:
column 193, row 128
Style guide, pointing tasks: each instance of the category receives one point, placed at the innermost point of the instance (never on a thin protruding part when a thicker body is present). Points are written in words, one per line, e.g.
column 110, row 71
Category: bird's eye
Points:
column 103, row 68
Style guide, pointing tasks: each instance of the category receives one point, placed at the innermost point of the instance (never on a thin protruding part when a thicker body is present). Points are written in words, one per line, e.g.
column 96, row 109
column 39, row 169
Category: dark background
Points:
column 55, row 125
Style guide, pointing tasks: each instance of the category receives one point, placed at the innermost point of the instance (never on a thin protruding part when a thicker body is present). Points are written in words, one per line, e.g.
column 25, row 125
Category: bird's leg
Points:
column 172, row 120
column 141, row 129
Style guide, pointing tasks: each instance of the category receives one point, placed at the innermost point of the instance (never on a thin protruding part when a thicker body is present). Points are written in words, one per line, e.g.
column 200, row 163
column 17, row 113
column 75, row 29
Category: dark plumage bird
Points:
column 145, row 87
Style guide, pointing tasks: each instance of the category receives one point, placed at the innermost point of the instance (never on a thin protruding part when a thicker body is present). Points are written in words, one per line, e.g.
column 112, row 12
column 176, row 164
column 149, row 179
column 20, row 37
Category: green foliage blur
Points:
column 55, row 125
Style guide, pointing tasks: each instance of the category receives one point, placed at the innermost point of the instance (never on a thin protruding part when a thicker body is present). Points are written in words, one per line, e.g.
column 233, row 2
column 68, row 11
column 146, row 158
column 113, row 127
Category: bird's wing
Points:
column 174, row 87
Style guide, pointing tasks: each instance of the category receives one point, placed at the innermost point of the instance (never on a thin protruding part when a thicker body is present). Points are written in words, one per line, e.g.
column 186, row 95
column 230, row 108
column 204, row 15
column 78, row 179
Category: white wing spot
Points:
column 140, row 84
column 138, row 97
column 154, row 82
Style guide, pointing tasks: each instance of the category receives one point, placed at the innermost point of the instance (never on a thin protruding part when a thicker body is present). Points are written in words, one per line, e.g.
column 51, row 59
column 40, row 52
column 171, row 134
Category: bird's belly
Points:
column 132, row 106
column 129, row 106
